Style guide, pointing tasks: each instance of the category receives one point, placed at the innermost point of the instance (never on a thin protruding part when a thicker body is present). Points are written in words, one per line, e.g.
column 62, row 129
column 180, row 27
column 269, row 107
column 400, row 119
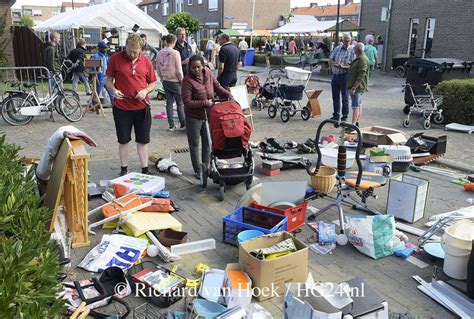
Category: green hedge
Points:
column 29, row 260
column 275, row 59
column 458, row 100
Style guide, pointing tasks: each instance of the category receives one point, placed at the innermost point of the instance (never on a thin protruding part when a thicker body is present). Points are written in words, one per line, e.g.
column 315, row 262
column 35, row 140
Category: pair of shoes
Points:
column 171, row 128
column 269, row 148
column 305, row 149
column 275, row 144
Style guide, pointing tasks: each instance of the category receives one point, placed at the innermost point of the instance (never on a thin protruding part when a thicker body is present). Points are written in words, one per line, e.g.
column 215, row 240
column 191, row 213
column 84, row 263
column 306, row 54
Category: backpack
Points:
column 226, row 121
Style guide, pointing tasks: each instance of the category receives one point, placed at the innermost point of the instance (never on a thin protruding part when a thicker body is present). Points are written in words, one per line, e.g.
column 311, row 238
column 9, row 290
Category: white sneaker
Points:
column 172, row 128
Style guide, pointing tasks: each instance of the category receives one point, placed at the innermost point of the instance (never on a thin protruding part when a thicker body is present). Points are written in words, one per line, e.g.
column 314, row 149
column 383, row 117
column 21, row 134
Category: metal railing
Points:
column 19, row 78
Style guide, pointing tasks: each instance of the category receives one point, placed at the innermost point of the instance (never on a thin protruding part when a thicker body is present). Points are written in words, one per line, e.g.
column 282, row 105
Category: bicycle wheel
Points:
column 66, row 92
column 11, row 110
column 71, row 108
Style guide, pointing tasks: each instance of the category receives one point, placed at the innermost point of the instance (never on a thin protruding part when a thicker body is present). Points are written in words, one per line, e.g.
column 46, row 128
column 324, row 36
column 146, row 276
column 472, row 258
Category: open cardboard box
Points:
column 270, row 276
column 378, row 135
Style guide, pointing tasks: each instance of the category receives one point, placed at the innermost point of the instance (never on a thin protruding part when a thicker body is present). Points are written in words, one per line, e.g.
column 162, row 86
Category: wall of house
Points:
column 6, row 39
column 452, row 31
column 267, row 13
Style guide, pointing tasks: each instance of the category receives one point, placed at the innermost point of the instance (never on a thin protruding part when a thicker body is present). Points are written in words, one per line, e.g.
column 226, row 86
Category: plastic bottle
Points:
column 470, row 273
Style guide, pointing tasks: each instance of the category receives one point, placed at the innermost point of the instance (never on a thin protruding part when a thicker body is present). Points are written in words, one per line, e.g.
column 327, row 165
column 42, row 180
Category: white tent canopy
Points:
column 114, row 14
column 308, row 24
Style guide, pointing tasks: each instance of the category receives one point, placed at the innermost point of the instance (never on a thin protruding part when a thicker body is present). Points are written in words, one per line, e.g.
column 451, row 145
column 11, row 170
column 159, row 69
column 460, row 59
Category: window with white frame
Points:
column 166, row 8
column 213, row 5
column 179, row 5
column 199, row 1
column 190, row 2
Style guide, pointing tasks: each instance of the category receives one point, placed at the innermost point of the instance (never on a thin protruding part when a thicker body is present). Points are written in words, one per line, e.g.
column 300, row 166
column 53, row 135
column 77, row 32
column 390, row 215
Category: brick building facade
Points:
column 6, row 39
column 217, row 14
column 422, row 28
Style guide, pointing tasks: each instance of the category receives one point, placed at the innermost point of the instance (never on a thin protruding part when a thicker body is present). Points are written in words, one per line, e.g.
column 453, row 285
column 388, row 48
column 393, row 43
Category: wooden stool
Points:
column 94, row 104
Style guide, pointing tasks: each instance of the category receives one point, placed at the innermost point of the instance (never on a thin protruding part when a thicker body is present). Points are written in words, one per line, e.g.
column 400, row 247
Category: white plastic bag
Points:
column 372, row 235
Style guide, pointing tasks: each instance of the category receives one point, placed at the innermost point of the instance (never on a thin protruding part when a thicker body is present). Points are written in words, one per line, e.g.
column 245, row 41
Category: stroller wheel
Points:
column 272, row 111
column 285, row 115
column 203, row 175
column 221, row 192
column 406, row 123
column 305, row 113
column 438, row 118
column 400, row 71
column 427, row 124
column 254, row 103
column 292, row 109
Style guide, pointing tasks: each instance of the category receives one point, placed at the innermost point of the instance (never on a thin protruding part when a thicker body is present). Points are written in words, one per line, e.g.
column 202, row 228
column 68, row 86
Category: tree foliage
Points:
column 182, row 20
column 27, row 21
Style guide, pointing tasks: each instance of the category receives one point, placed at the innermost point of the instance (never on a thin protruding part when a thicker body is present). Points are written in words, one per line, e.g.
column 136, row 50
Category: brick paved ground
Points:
column 202, row 213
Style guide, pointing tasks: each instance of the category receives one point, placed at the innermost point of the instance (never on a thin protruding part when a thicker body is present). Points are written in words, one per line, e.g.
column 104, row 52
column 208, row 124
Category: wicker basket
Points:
column 325, row 180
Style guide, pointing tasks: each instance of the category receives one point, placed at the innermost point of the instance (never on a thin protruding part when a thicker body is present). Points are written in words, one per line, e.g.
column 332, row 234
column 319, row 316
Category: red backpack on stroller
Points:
column 226, row 120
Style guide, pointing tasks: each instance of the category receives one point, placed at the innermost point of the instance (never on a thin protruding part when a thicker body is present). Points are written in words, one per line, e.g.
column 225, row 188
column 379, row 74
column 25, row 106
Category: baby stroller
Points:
column 228, row 135
column 263, row 94
column 285, row 95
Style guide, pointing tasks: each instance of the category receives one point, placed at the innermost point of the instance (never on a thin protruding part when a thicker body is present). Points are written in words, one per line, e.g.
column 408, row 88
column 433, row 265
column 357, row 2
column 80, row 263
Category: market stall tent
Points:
column 311, row 25
column 115, row 14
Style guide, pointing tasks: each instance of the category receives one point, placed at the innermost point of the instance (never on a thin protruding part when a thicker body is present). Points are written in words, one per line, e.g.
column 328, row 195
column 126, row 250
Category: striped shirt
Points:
column 342, row 55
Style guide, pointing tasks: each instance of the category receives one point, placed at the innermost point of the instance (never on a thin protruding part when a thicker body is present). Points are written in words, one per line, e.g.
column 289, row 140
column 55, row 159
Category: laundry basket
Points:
column 324, row 180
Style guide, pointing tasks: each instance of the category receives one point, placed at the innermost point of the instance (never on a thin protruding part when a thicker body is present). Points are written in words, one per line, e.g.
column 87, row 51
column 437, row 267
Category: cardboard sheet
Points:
column 140, row 222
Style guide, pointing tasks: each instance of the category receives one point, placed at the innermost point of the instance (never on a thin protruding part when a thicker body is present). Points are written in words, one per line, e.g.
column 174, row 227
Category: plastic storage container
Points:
column 296, row 215
column 457, row 245
column 249, row 56
column 401, row 154
column 329, row 157
column 250, row 218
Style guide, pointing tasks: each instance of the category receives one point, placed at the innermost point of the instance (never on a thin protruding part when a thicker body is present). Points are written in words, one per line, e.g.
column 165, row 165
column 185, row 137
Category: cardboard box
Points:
column 270, row 276
column 140, row 182
column 378, row 135
column 313, row 103
column 237, row 288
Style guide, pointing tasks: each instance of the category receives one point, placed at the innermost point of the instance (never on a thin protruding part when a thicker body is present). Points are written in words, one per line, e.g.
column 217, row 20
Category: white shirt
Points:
column 210, row 45
column 243, row 46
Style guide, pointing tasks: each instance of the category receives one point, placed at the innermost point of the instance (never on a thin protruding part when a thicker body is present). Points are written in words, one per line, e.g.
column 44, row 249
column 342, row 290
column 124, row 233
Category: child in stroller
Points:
column 228, row 134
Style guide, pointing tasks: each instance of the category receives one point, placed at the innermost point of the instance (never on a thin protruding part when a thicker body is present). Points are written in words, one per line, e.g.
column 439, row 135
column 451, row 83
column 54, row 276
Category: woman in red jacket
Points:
column 198, row 89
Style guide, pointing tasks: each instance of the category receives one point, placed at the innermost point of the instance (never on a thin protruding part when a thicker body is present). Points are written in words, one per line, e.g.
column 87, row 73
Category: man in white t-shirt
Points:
column 243, row 47
column 209, row 48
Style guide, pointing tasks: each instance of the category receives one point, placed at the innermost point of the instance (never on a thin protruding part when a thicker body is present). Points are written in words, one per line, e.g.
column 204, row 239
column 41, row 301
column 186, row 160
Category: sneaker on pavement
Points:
column 172, row 128
column 182, row 127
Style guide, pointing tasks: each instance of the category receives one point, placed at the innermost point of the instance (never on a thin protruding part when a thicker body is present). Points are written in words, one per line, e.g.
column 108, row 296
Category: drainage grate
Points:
column 180, row 150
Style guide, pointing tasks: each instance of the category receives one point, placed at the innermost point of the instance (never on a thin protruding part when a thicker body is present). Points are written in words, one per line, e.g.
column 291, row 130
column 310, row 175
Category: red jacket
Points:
column 196, row 95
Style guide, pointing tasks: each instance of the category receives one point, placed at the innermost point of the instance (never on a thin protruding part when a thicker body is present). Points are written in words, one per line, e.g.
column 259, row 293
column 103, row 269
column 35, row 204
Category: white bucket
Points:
column 457, row 243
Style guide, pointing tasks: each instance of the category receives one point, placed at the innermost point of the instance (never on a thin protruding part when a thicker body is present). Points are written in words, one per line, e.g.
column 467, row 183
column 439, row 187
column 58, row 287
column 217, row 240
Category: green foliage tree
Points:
column 29, row 260
column 3, row 44
column 182, row 20
column 27, row 21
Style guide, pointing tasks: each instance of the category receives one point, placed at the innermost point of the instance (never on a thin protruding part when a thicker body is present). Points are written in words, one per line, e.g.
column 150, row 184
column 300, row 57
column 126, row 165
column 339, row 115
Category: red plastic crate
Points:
column 296, row 215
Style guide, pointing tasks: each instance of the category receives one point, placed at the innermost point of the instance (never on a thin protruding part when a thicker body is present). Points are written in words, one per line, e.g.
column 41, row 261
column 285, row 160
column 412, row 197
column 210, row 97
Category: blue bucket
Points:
column 248, row 234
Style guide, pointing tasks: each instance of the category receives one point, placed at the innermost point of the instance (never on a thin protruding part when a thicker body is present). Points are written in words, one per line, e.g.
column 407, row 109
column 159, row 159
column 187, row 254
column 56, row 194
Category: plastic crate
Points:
column 296, row 215
column 250, row 218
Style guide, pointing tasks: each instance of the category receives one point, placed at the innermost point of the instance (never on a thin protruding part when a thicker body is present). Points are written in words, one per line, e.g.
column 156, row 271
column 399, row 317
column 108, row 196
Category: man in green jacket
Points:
column 51, row 58
column 357, row 82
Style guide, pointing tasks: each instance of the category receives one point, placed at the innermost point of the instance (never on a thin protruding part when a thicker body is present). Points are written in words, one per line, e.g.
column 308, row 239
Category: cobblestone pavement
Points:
column 202, row 213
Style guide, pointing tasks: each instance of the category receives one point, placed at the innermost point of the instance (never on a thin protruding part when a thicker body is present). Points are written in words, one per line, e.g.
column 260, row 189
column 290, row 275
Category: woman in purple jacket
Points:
column 198, row 89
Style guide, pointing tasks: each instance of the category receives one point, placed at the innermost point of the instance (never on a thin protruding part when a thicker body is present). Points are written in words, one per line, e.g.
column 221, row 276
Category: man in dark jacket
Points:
column 76, row 56
column 51, row 57
column 184, row 49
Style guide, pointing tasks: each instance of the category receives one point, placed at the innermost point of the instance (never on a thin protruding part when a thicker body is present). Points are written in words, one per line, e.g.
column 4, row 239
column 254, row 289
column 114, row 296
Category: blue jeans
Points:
column 339, row 88
column 101, row 85
column 242, row 56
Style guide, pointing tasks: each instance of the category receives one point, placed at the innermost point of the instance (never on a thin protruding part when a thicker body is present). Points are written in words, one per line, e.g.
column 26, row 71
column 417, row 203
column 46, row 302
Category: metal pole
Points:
column 72, row 2
column 253, row 16
column 337, row 23
column 387, row 34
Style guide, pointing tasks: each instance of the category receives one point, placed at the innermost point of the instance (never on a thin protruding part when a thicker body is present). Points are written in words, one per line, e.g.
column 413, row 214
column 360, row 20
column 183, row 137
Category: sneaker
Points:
column 182, row 127
column 271, row 141
column 89, row 93
column 334, row 118
column 123, row 171
column 197, row 176
column 172, row 128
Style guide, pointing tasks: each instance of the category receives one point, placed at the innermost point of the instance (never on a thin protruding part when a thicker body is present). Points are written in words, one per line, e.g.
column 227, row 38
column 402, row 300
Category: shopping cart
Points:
column 287, row 97
column 428, row 105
